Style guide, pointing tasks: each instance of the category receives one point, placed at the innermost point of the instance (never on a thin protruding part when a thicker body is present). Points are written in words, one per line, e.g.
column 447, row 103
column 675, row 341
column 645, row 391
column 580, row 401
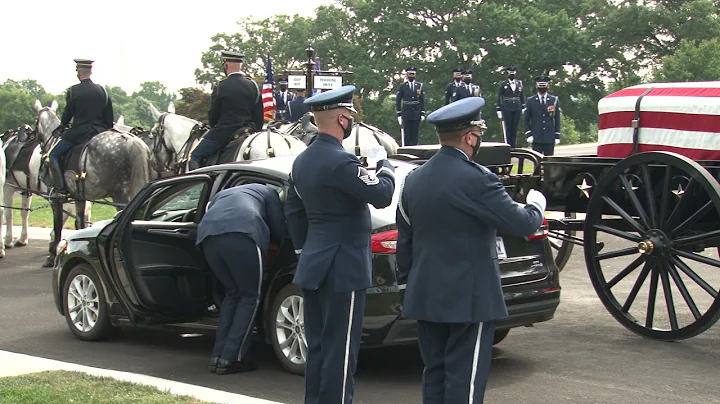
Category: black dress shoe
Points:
column 213, row 364
column 225, row 367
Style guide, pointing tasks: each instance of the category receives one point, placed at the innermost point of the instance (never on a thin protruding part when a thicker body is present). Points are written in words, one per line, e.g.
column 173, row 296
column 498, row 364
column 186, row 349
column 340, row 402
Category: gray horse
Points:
column 112, row 164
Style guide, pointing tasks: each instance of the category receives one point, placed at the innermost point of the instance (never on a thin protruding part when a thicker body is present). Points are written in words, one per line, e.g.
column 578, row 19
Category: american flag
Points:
column 267, row 92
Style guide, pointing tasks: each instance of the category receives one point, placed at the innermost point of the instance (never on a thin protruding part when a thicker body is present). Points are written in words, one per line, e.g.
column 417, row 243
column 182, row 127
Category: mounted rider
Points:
column 236, row 109
column 90, row 108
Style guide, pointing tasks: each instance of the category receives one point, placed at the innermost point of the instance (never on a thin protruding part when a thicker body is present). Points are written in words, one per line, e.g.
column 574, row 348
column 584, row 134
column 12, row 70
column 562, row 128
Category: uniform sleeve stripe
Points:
column 386, row 170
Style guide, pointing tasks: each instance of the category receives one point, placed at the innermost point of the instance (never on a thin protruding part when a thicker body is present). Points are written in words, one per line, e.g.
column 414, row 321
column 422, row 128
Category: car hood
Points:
column 90, row 232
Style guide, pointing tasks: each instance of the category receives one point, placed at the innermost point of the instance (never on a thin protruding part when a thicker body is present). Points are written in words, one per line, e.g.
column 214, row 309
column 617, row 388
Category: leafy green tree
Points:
column 194, row 103
column 153, row 92
column 693, row 61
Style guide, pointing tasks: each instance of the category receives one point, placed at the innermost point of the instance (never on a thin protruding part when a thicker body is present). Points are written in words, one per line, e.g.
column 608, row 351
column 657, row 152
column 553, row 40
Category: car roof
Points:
column 279, row 167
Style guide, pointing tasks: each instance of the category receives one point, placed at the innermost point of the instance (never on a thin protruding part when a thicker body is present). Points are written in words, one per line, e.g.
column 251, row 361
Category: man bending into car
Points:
column 235, row 235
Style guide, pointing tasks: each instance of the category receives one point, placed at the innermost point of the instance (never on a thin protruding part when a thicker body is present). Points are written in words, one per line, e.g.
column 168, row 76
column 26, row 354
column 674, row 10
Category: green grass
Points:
column 61, row 387
column 43, row 217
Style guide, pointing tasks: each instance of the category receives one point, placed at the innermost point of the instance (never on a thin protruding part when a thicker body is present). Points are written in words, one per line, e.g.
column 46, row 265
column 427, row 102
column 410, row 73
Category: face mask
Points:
column 411, row 79
column 283, row 87
column 511, row 76
column 476, row 148
column 467, row 81
column 348, row 129
column 542, row 90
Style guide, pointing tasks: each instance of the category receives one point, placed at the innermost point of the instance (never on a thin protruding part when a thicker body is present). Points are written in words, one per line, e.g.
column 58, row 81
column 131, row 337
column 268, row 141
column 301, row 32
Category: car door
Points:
column 162, row 276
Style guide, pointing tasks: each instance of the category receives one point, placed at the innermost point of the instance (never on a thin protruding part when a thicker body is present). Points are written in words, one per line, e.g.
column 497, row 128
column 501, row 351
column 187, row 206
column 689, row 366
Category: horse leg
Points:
column 24, row 215
column 8, row 201
column 80, row 206
column 57, row 209
column 2, row 203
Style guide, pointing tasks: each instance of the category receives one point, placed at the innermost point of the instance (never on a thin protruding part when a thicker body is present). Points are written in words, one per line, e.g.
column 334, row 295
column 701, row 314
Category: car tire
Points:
column 82, row 288
column 500, row 336
column 283, row 331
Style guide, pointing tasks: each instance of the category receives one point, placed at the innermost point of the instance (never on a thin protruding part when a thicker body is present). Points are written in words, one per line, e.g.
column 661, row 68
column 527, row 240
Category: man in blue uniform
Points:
column 410, row 107
column 510, row 104
column 235, row 109
column 234, row 236
column 282, row 99
column 329, row 221
column 449, row 211
column 297, row 107
column 473, row 90
column 542, row 118
column 455, row 89
column 91, row 111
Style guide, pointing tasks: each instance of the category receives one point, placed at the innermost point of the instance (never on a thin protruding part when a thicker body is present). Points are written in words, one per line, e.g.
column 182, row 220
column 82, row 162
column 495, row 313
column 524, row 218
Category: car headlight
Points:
column 62, row 246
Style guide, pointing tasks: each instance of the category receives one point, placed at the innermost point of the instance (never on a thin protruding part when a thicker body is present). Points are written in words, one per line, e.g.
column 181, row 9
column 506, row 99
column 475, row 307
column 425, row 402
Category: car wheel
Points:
column 500, row 335
column 86, row 309
column 286, row 326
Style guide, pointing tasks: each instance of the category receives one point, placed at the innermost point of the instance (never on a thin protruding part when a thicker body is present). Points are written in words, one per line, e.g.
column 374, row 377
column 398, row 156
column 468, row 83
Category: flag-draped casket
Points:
column 679, row 117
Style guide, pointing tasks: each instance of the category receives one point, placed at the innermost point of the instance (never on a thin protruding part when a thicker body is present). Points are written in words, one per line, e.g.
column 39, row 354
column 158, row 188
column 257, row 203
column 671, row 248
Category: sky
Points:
column 131, row 41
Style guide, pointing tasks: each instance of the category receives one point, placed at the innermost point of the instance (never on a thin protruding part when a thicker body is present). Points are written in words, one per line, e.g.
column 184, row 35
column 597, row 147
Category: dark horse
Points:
column 113, row 164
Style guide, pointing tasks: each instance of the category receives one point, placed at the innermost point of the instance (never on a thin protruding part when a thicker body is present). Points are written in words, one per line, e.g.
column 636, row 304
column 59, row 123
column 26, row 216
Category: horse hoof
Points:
column 20, row 244
column 49, row 262
column 11, row 245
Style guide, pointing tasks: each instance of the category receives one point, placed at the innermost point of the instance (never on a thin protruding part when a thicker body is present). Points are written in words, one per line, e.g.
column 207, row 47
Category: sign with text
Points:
column 297, row 82
column 327, row 82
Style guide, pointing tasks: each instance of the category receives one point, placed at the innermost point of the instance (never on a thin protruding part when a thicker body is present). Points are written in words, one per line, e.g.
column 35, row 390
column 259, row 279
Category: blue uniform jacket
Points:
column 252, row 209
column 449, row 211
column 410, row 101
column 541, row 124
column 329, row 218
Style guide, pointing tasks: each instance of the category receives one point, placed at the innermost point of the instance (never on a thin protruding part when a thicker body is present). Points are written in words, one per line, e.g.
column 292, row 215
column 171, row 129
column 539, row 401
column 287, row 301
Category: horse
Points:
column 361, row 140
column 111, row 164
column 22, row 155
column 2, row 197
column 175, row 136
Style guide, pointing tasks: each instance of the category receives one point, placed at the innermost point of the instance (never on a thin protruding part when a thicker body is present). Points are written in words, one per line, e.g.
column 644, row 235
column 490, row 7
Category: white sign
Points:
column 327, row 82
column 297, row 82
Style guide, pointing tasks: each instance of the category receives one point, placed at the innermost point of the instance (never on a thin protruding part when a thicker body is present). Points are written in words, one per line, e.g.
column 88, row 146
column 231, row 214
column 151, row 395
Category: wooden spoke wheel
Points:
column 665, row 208
column 561, row 249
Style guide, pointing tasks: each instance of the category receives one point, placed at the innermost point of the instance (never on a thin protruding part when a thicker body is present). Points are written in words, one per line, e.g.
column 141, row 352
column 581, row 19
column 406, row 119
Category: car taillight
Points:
column 384, row 243
column 541, row 233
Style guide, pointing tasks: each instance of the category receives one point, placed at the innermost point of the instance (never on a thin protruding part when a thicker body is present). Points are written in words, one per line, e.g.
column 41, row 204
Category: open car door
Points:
column 161, row 276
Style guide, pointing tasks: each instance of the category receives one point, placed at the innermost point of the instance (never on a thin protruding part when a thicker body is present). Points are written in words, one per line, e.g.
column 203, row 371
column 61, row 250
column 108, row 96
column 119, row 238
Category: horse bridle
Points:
column 157, row 133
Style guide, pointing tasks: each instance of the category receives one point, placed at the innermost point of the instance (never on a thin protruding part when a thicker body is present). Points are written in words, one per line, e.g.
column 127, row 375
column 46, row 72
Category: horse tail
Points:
column 141, row 167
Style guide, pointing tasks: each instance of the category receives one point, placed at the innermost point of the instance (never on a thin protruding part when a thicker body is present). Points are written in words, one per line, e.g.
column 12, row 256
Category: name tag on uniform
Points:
column 502, row 254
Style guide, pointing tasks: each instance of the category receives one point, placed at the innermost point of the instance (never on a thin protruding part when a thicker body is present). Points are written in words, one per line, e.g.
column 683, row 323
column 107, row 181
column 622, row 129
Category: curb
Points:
column 15, row 364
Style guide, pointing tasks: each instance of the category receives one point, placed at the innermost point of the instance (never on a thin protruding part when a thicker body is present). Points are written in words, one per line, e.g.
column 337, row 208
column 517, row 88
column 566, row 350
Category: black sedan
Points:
column 142, row 268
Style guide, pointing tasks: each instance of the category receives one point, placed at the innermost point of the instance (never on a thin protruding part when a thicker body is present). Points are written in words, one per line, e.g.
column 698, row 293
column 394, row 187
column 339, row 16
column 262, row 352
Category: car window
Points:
column 174, row 203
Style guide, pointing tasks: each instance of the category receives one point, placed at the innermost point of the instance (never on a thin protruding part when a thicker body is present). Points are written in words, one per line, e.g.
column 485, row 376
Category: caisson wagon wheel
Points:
column 658, row 215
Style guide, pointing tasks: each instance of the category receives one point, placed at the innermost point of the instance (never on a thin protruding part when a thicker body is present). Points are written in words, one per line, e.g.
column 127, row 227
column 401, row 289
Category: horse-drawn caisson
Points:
column 650, row 198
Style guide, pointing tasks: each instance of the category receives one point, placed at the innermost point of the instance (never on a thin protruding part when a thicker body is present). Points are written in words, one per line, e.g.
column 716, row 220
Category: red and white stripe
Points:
column 268, row 101
column 679, row 117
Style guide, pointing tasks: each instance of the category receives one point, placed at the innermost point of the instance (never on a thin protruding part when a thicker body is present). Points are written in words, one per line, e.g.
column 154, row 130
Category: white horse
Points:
column 174, row 140
column 28, row 184
column 2, row 186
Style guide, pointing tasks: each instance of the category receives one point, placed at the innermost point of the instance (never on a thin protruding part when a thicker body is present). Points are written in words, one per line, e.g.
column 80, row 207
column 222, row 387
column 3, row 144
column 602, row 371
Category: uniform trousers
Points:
column 412, row 132
column 237, row 262
column 333, row 328
column 457, row 361
column 213, row 141
column 547, row 149
column 511, row 120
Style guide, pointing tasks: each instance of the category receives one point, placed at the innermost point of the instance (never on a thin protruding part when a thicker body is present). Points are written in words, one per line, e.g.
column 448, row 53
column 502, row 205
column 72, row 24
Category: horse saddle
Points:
column 19, row 150
column 230, row 151
column 307, row 123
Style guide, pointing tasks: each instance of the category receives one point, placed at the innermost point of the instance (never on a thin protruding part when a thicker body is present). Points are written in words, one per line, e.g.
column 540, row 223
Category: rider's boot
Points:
column 56, row 173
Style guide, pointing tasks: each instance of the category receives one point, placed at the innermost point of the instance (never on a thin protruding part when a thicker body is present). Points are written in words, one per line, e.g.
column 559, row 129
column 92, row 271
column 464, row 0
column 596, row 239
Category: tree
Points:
column 153, row 92
column 17, row 99
column 194, row 103
column 693, row 61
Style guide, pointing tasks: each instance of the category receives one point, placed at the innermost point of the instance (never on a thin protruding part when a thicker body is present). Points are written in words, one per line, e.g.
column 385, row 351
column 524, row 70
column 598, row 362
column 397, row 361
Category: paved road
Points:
column 582, row 356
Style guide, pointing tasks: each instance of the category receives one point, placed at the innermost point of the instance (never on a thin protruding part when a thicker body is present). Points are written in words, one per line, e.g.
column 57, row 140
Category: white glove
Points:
column 557, row 141
column 523, row 111
column 537, row 199
column 529, row 139
column 422, row 118
column 376, row 154
column 499, row 114
column 399, row 120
